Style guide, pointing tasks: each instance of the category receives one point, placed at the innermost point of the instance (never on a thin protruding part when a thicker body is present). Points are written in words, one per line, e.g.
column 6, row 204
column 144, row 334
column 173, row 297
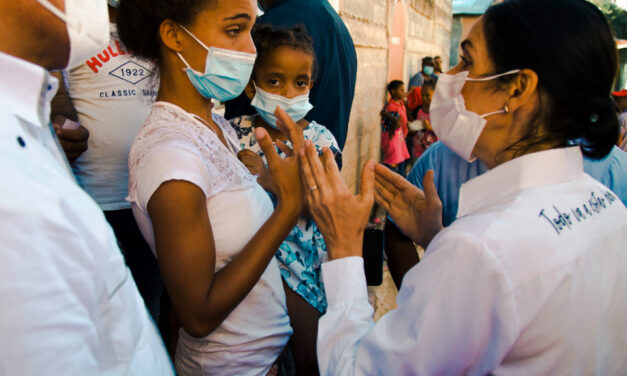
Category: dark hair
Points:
column 267, row 38
column 427, row 60
column 570, row 46
column 428, row 83
column 393, row 85
column 138, row 22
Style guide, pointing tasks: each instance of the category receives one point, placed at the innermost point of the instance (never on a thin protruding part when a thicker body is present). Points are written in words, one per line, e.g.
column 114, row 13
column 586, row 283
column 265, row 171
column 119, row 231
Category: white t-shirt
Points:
column 529, row 280
column 173, row 145
column 112, row 93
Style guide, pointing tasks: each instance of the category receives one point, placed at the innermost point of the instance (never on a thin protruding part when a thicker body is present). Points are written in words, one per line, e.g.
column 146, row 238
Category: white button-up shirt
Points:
column 68, row 305
column 530, row 280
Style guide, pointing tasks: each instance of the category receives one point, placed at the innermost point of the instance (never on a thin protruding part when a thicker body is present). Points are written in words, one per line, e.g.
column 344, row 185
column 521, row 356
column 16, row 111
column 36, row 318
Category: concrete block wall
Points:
column 428, row 29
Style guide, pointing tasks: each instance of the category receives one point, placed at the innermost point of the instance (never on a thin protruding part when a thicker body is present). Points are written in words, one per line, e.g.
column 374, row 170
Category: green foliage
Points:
column 616, row 17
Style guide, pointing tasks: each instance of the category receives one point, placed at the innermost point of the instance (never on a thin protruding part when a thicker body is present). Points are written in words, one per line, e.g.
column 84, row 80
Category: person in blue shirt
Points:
column 333, row 91
column 426, row 73
column 451, row 171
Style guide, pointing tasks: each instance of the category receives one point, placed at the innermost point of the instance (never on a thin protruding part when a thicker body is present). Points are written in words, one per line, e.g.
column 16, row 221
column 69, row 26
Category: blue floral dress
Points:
column 303, row 251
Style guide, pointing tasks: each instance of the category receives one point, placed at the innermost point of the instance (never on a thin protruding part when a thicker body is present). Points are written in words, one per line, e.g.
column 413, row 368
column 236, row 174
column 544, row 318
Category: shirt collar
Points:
column 541, row 168
column 26, row 89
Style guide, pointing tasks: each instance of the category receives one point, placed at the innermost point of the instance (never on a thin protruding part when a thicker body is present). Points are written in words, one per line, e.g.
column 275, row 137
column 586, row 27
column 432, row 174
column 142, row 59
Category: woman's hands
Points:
column 418, row 214
column 340, row 215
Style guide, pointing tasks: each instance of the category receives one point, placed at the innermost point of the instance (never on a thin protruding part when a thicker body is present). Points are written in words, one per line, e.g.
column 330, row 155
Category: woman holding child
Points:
column 213, row 229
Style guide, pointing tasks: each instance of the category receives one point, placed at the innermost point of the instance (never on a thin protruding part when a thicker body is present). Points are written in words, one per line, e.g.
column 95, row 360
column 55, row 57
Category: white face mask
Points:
column 458, row 128
column 87, row 23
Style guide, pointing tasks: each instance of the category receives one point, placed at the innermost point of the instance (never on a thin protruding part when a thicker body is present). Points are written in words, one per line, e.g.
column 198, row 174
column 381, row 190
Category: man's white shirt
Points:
column 69, row 304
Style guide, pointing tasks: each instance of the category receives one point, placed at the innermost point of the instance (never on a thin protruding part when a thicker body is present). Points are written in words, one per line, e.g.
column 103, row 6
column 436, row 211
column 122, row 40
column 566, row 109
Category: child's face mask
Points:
column 266, row 103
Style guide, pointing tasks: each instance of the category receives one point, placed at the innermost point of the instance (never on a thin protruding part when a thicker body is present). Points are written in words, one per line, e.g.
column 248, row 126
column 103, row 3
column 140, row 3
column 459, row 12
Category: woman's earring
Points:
column 506, row 109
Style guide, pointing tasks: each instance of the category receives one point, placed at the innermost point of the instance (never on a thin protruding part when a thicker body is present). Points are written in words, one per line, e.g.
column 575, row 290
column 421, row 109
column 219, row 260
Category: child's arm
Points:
column 254, row 163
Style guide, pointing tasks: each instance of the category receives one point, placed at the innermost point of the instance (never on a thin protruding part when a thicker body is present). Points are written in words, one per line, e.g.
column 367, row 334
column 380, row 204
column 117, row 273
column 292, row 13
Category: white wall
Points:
column 428, row 32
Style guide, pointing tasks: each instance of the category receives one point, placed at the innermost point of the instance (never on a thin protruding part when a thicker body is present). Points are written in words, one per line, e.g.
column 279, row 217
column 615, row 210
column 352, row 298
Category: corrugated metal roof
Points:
column 470, row 6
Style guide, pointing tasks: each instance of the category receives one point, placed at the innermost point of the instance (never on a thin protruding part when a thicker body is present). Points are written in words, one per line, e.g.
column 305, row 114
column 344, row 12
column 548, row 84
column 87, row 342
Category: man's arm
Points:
column 73, row 141
column 49, row 292
column 61, row 104
column 400, row 251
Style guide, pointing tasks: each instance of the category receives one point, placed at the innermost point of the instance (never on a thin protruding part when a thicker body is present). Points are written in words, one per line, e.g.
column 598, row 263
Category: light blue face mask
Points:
column 227, row 72
column 428, row 70
column 266, row 103
column 114, row 3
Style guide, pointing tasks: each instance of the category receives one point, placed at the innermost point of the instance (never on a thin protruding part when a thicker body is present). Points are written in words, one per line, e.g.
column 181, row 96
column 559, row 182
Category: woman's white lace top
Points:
column 174, row 145
column 169, row 124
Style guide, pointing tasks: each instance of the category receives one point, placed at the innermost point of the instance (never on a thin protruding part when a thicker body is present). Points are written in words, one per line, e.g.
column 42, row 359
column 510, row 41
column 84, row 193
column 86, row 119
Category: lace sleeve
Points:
column 169, row 126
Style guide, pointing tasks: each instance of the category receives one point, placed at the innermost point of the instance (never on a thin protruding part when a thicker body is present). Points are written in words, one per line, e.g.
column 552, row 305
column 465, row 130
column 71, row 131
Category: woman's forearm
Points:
column 234, row 281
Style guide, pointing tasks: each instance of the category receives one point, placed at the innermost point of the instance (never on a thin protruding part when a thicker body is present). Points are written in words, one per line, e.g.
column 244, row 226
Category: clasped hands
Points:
column 303, row 178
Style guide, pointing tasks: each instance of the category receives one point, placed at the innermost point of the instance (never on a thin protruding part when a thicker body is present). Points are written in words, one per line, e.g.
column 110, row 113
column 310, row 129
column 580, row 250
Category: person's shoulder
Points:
column 164, row 122
column 392, row 105
column 614, row 162
column 611, row 171
column 321, row 20
column 437, row 152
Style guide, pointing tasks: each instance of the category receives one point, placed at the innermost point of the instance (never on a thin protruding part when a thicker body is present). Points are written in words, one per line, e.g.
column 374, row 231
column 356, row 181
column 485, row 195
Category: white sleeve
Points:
column 348, row 317
column 456, row 315
column 170, row 161
column 49, row 298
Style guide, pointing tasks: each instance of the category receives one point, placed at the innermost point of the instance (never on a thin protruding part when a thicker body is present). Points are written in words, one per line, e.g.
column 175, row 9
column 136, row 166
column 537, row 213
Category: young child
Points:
column 282, row 76
column 426, row 136
column 393, row 145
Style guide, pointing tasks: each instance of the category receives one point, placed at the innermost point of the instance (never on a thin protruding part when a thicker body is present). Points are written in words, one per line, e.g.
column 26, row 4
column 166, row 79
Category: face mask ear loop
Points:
column 505, row 110
column 54, row 10
column 195, row 38
column 493, row 76
column 184, row 61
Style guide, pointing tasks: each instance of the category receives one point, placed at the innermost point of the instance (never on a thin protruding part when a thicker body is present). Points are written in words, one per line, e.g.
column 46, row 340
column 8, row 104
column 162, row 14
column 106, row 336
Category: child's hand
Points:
column 254, row 164
column 252, row 161
column 284, row 173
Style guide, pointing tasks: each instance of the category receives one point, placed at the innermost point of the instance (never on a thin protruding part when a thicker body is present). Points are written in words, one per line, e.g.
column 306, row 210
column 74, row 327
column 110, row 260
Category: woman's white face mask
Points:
column 87, row 23
column 457, row 127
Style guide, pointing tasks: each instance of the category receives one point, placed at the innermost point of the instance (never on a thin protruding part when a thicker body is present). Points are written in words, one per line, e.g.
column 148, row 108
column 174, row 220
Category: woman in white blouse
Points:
column 212, row 228
column 531, row 277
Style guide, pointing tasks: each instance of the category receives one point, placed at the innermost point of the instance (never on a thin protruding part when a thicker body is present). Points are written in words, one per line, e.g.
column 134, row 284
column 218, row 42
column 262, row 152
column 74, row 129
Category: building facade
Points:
column 391, row 37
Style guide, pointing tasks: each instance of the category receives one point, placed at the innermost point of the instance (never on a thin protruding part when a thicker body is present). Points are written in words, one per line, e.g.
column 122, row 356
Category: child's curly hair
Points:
column 267, row 38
